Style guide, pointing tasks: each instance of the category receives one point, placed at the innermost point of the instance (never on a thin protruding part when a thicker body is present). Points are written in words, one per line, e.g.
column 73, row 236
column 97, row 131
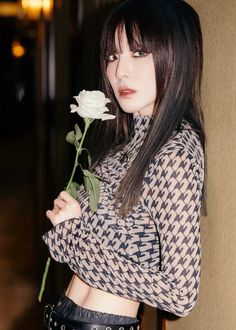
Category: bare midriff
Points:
column 95, row 299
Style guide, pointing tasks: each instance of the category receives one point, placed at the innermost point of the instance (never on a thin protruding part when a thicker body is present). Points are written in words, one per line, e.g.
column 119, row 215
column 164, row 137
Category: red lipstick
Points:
column 125, row 91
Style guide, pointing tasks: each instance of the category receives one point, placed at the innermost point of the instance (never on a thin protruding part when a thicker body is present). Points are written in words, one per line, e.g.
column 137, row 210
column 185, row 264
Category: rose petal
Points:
column 73, row 108
column 106, row 116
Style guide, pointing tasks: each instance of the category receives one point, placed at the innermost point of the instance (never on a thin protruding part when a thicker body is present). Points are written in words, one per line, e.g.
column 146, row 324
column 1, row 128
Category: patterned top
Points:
column 153, row 254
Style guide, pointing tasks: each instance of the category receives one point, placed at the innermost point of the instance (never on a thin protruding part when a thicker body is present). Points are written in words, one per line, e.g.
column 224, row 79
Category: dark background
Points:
column 61, row 58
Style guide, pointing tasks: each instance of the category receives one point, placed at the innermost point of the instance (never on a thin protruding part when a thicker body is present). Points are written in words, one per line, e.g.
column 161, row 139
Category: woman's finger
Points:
column 55, row 218
column 59, row 204
column 71, row 202
column 50, row 215
column 67, row 197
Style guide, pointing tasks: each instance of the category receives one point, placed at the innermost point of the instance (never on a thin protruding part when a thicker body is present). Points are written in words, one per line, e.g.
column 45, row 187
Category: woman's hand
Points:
column 64, row 207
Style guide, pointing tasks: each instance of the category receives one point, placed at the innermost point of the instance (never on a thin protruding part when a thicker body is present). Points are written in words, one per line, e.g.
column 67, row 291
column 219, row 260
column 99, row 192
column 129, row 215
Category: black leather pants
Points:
column 66, row 315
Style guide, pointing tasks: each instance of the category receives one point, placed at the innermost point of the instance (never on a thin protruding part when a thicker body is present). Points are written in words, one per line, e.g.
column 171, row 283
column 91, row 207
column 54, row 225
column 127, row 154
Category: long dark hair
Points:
column 170, row 29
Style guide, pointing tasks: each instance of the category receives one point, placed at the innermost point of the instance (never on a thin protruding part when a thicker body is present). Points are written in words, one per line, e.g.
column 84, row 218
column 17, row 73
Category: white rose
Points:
column 92, row 104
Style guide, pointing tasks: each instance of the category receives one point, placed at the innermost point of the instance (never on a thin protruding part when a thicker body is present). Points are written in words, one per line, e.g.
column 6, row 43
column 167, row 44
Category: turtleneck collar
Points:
column 141, row 124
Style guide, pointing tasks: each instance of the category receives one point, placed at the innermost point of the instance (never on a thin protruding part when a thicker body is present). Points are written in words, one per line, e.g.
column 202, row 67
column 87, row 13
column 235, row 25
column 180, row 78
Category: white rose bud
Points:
column 92, row 104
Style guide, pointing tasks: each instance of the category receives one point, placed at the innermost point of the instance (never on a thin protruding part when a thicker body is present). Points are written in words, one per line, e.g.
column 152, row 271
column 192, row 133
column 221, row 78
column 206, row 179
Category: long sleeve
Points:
column 61, row 238
column 172, row 196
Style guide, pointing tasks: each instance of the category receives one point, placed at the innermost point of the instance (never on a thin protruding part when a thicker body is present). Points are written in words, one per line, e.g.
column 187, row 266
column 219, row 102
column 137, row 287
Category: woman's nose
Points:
column 124, row 67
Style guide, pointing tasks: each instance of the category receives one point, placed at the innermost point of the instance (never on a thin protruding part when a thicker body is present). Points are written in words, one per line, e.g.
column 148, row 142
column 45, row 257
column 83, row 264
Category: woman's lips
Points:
column 126, row 91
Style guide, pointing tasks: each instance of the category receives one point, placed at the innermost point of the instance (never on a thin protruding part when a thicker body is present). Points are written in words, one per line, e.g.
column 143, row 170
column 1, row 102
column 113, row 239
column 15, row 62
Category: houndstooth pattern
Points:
column 152, row 255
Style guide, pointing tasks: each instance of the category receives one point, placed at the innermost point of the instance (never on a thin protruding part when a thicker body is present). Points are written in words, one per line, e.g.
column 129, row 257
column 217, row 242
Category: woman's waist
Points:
column 95, row 299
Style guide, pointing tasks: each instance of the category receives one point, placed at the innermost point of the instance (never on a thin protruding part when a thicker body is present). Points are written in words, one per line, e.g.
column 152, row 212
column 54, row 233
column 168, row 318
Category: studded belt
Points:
column 52, row 321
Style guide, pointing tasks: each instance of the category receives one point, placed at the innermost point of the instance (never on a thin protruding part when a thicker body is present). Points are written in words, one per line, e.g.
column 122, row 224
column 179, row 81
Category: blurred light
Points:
column 9, row 9
column 17, row 49
column 33, row 9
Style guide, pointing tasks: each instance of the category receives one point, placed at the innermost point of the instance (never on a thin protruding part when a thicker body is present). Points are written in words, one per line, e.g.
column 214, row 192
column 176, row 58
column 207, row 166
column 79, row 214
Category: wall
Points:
column 216, row 306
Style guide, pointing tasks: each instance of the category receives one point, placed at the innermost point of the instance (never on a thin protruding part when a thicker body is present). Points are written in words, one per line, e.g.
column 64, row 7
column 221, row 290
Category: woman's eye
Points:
column 111, row 58
column 140, row 53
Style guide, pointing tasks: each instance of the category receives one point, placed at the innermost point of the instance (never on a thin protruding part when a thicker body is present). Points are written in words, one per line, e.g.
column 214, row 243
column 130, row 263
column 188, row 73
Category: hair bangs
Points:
column 139, row 34
column 138, row 37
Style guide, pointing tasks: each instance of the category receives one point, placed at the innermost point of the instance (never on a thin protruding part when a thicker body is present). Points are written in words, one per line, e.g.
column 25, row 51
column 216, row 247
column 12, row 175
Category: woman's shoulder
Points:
column 183, row 149
column 184, row 141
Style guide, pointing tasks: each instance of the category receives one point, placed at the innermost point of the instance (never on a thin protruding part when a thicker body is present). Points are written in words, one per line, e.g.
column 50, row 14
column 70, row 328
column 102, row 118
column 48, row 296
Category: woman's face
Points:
column 132, row 77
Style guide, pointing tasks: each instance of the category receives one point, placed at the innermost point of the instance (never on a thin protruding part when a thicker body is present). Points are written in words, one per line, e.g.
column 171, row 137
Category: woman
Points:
column 143, row 242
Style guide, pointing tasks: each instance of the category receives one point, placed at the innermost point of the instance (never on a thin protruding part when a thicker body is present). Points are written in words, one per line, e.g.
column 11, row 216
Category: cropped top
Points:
column 153, row 254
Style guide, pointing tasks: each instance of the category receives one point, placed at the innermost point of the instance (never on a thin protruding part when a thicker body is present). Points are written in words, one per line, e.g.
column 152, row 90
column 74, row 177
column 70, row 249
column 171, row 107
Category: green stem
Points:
column 78, row 151
column 87, row 121
column 45, row 274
